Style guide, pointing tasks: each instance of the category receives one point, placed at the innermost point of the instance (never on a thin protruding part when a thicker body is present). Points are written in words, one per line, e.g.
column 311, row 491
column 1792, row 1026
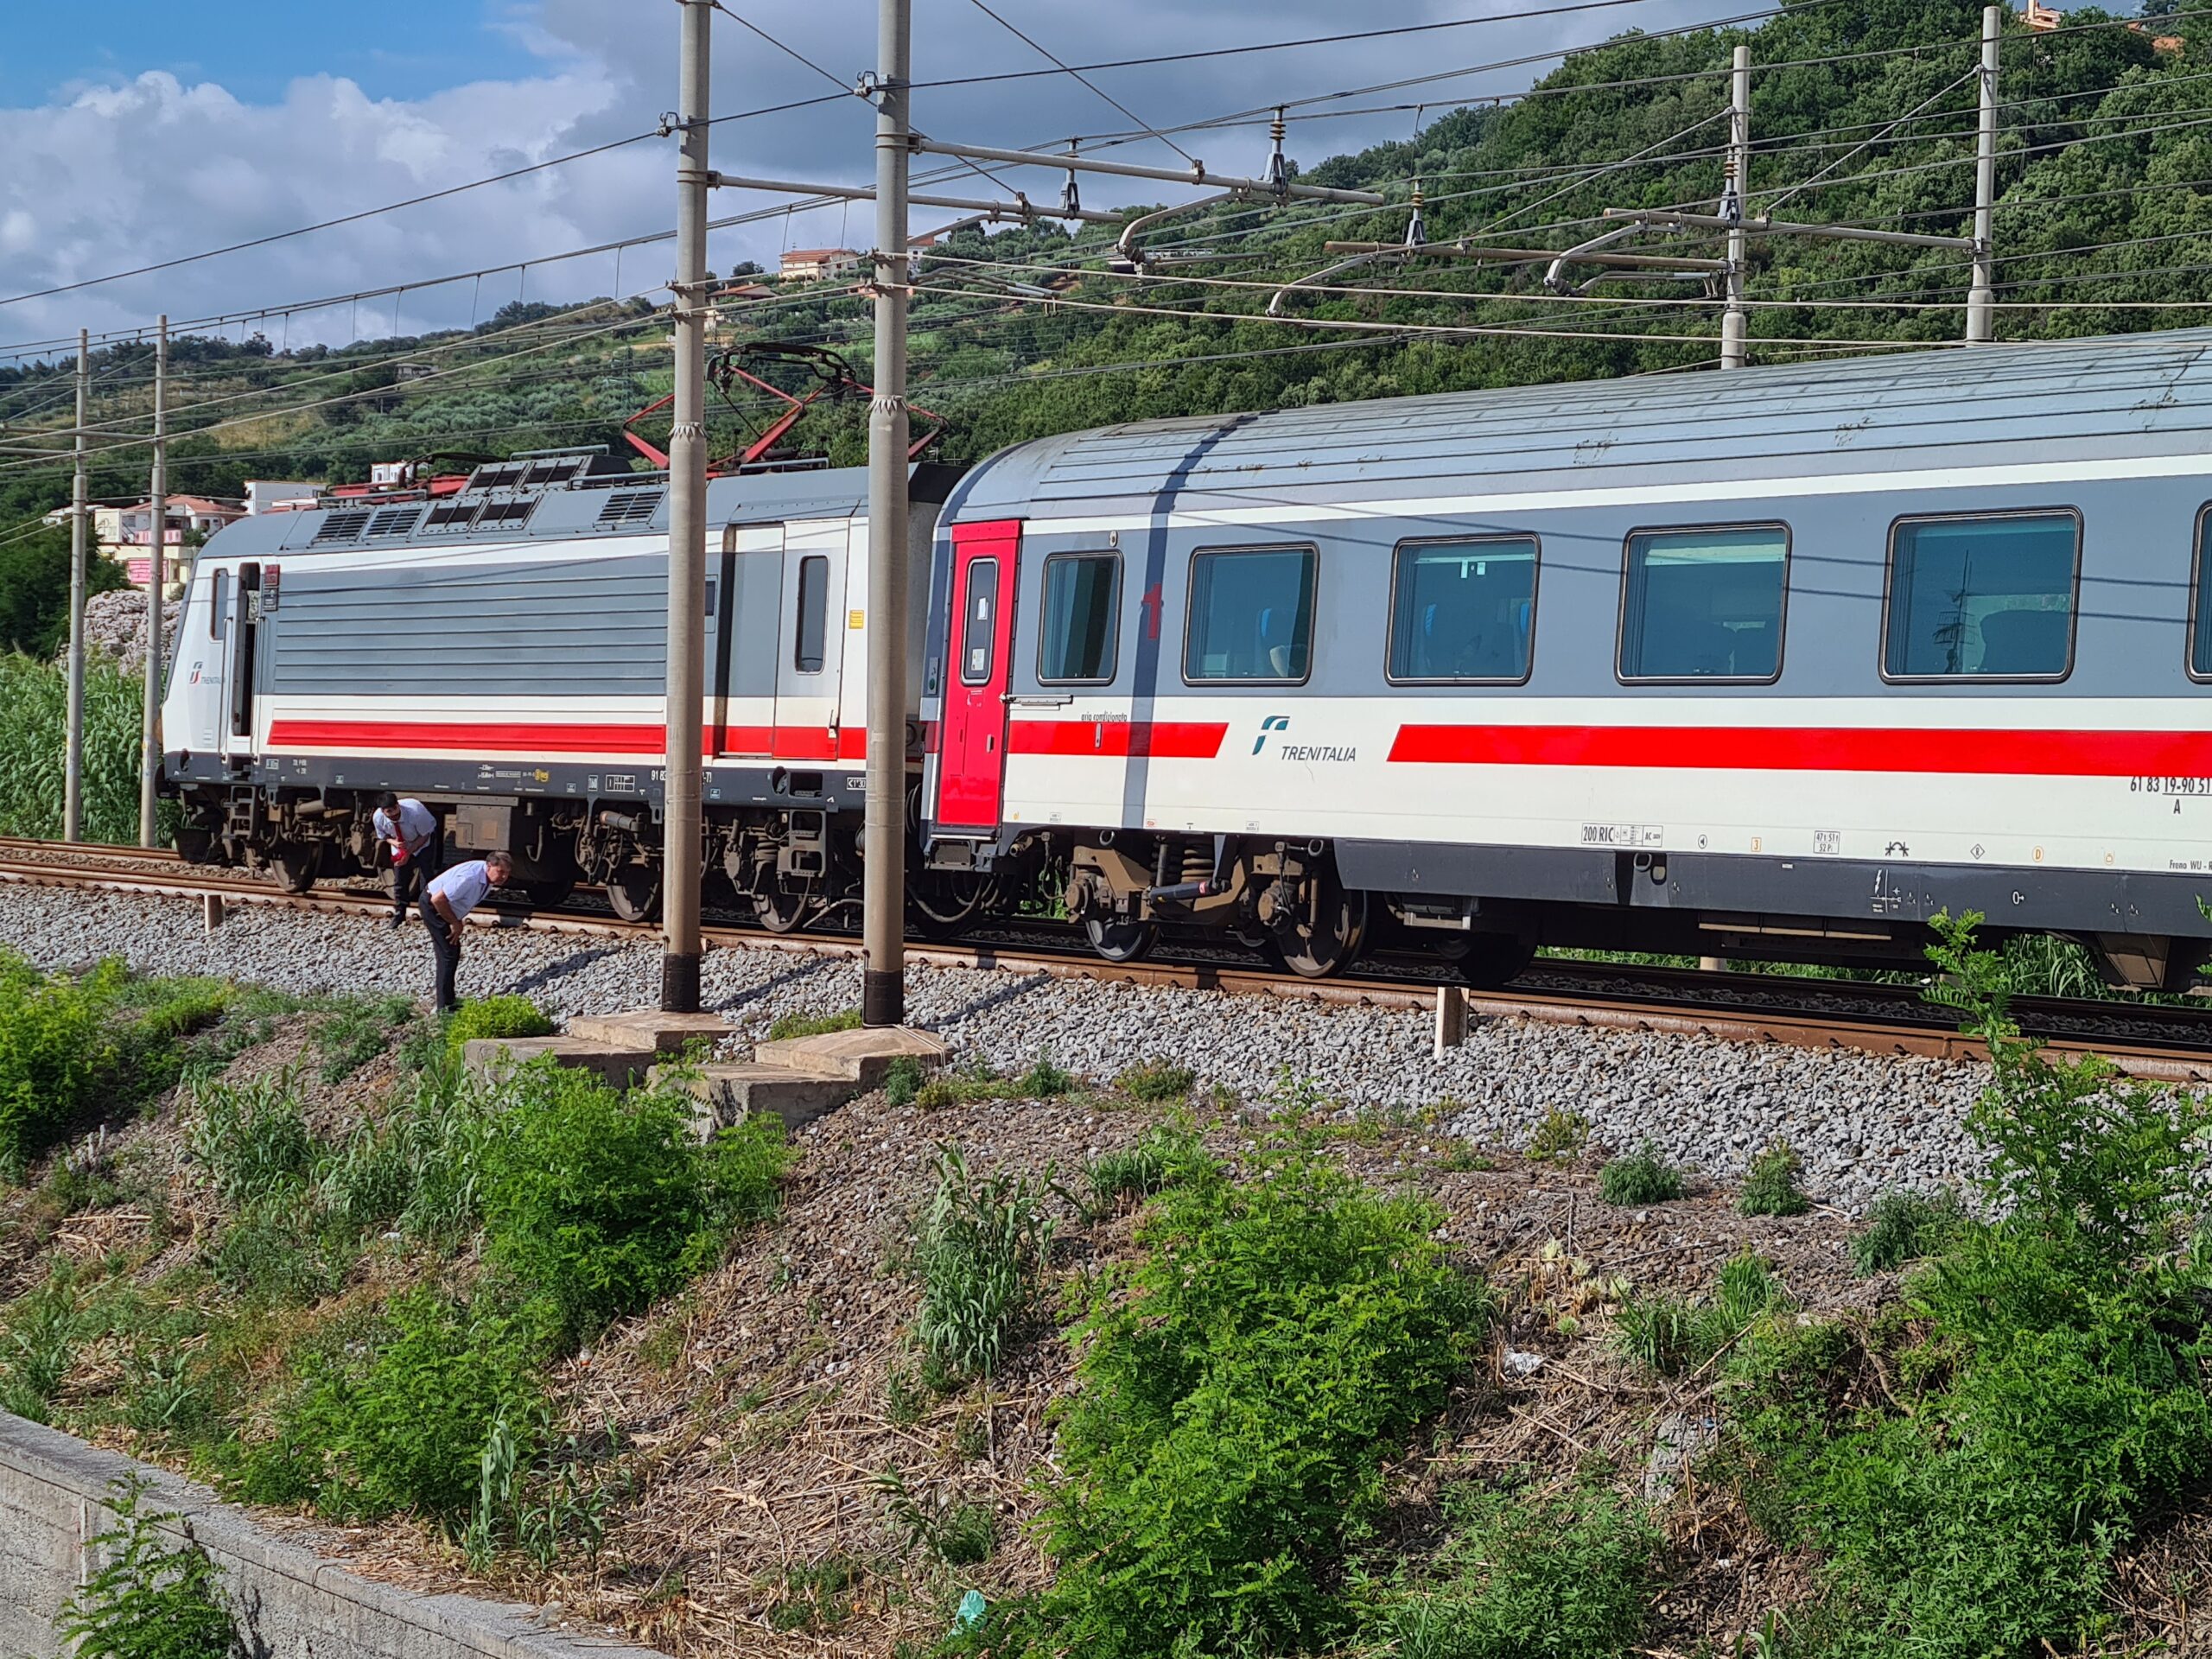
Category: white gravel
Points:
column 1862, row 1122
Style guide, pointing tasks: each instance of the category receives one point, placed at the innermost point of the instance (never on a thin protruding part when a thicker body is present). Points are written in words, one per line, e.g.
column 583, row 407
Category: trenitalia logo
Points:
column 1272, row 723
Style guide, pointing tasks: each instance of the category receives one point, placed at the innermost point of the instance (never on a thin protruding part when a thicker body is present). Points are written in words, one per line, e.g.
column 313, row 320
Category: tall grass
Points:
column 34, row 714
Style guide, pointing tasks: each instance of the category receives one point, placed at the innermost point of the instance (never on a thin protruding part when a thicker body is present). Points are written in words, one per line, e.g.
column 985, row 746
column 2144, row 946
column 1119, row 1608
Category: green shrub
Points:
column 495, row 1016
column 602, row 1204
column 403, row 1426
column 1565, row 1577
column 1140, row 1169
column 981, row 1259
column 958, row 1532
column 1903, row 1227
column 1770, row 1184
column 59, row 1054
column 1644, row 1177
column 1043, row 1080
column 959, row 1089
column 357, row 1030
column 1242, row 1388
column 1561, row 1137
column 148, row 1598
column 1670, row 1336
column 813, row 1025
column 283, row 1247
column 1968, row 1474
column 903, row 1081
column 252, row 1138
column 1156, row 1080
column 367, row 1178
column 39, row 1342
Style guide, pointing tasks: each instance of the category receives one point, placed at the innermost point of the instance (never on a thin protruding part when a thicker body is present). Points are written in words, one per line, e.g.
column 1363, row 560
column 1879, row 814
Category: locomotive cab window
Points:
column 1463, row 611
column 813, row 639
column 1983, row 597
column 1251, row 615
column 219, row 599
column 1701, row 605
column 978, row 633
column 1083, row 614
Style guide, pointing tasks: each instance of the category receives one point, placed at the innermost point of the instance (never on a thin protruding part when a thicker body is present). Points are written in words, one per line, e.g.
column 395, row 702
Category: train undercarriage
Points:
column 799, row 868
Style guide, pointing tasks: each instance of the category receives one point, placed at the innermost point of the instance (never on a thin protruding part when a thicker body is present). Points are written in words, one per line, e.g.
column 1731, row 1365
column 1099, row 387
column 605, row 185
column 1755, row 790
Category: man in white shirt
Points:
column 445, row 904
column 409, row 830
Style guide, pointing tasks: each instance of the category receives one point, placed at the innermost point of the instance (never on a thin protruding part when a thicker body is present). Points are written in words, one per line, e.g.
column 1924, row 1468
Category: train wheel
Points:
column 940, row 906
column 779, row 912
column 1120, row 940
column 1490, row 960
column 1317, row 947
column 635, row 893
column 296, row 864
column 548, row 895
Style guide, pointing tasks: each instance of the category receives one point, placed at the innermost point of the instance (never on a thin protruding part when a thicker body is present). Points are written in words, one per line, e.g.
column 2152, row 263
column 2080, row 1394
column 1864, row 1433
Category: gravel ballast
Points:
column 1862, row 1122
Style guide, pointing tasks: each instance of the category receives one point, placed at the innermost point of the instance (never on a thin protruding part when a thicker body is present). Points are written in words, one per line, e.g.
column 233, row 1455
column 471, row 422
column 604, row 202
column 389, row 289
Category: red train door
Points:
column 971, row 763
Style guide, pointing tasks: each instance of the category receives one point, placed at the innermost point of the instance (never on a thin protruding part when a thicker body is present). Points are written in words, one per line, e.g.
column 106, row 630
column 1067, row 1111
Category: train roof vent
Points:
column 342, row 527
column 505, row 515
column 629, row 507
column 393, row 521
column 449, row 515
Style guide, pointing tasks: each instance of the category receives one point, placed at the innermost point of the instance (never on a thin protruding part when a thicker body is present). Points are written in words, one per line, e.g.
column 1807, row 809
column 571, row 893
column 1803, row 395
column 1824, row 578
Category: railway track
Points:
column 2172, row 1043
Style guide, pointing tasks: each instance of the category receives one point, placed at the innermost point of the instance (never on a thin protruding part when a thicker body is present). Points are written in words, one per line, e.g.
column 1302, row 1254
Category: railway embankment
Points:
column 1097, row 1348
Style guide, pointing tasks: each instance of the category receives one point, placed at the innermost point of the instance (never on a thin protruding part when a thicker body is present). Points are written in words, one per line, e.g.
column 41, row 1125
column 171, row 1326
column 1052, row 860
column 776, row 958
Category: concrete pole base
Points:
column 883, row 998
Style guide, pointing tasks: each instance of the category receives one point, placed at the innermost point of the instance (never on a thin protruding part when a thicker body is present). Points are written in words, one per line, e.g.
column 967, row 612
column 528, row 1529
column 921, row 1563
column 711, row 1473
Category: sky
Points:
column 141, row 130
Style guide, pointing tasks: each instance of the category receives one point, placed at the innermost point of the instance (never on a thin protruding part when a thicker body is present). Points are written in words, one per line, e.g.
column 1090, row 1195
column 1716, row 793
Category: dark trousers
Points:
column 409, row 881
column 444, row 953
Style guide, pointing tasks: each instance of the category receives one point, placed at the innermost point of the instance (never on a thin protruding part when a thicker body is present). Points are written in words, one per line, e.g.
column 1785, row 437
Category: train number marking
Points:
column 1623, row 835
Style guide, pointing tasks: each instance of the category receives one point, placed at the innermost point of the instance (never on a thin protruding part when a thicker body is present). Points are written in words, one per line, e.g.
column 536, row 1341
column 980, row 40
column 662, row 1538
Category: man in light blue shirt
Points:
column 445, row 904
column 409, row 830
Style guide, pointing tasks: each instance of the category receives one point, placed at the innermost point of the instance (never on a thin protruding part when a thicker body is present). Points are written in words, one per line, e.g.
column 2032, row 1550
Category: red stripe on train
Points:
column 1710, row 748
column 740, row 743
column 1162, row 739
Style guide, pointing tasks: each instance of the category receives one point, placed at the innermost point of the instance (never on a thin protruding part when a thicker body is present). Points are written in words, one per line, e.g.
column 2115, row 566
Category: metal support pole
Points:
column 883, row 896
column 72, row 764
column 150, row 722
column 1733, row 351
column 682, row 842
column 1982, row 297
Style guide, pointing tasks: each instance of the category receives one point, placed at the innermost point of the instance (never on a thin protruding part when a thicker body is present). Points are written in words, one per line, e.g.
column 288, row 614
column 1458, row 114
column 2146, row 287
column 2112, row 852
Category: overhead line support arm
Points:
column 1198, row 174
column 1021, row 209
column 1763, row 227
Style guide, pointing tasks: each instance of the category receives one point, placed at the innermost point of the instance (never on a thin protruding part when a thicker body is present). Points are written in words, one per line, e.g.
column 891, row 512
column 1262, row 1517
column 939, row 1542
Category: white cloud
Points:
column 148, row 167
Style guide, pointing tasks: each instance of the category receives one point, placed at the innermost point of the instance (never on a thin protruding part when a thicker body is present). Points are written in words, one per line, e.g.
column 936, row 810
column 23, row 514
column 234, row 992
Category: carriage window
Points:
column 1083, row 609
column 813, row 614
column 979, row 634
column 1462, row 610
column 1251, row 615
column 2200, row 613
column 1985, row 597
column 218, row 600
column 1704, row 604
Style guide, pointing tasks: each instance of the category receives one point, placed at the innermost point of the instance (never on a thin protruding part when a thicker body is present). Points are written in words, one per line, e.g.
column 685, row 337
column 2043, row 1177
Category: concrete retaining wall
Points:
column 292, row 1605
